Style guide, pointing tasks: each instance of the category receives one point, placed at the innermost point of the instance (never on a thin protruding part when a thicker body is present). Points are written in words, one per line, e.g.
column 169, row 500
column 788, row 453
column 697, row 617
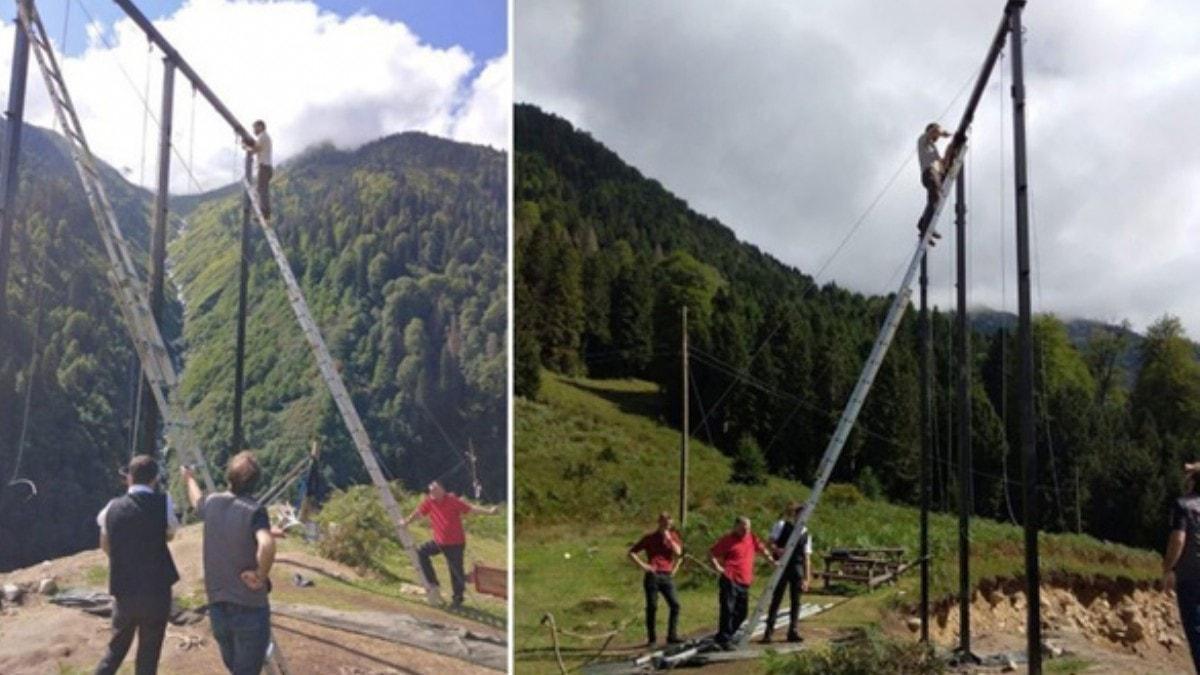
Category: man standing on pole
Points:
column 261, row 148
column 933, row 170
column 733, row 557
column 663, row 549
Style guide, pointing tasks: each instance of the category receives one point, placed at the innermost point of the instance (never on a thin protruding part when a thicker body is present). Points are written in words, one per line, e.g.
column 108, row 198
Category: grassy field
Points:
column 594, row 464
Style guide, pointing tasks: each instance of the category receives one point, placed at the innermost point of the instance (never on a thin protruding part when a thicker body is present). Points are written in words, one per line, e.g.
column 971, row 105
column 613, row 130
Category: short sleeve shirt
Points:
column 230, row 547
column 1185, row 517
column 736, row 555
column 445, row 518
column 661, row 555
column 262, row 148
column 927, row 153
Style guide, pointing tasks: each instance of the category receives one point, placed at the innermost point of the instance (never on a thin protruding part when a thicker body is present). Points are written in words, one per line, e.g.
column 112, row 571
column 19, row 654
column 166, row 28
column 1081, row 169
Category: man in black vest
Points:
column 797, row 576
column 134, row 530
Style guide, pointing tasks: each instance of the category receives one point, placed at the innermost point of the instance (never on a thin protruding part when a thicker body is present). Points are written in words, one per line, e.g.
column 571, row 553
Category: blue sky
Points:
column 479, row 26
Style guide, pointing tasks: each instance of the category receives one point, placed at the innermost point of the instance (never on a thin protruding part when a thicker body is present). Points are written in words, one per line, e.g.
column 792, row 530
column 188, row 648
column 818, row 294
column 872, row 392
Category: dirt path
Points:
column 37, row 637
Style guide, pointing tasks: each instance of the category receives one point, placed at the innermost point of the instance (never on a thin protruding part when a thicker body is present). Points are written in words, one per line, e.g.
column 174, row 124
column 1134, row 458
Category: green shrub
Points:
column 868, row 483
column 868, row 654
column 842, row 494
column 356, row 530
column 749, row 464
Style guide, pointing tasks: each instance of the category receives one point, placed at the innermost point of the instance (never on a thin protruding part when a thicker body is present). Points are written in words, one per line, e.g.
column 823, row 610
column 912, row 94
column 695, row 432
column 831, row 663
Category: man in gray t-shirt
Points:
column 1181, row 564
column 238, row 553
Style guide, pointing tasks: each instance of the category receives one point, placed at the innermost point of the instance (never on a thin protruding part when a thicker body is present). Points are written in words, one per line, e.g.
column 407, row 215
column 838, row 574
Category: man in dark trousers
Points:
column 261, row 149
column 733, row 557
column 134, row 530
column 664, row 550
column 239, row 551
column 797, row 576
column 445, row 511
column 1181, row 563
column 933, row 171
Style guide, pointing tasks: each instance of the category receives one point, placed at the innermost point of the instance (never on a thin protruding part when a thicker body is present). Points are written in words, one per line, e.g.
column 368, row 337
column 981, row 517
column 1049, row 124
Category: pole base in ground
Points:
column 960, row 658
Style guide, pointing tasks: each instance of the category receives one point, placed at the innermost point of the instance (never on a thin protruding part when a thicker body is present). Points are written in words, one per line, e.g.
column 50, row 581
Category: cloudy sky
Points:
column 787, row 119
column 345, row 71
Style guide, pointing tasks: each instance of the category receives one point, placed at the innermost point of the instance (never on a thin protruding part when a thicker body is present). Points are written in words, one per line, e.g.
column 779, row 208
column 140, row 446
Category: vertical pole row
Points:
column 1029, row 464
column 8, row 164
column 158, row 250
column 683, row 441
column 966, row 499
column 925, row 359
column 238, row 441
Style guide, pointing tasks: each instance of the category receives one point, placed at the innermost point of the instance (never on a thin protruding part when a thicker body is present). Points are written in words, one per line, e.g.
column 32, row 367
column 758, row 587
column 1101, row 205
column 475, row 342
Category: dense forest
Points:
column 64, row 357
column 607, row 258
column 400, row 247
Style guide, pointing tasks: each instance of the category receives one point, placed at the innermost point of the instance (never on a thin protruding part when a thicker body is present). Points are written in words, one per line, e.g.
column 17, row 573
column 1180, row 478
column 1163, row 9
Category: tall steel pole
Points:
column 925, row 361
column 158, row 247
column 966, row 499
column 239, row 377
column 9, row 154
column 683, row 441
column 1029, row 464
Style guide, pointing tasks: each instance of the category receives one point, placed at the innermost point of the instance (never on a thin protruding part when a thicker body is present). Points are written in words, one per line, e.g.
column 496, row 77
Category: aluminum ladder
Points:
column 129, row 291
column 858, row 396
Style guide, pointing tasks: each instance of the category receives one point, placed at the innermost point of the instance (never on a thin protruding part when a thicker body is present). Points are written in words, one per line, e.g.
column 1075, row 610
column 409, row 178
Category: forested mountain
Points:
column 64, row 351
column 400, row 247
column 606, row 259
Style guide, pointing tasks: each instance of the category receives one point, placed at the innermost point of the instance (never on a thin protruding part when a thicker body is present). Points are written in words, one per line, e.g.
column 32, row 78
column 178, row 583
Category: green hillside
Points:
column 399, row 247
column 594, row 464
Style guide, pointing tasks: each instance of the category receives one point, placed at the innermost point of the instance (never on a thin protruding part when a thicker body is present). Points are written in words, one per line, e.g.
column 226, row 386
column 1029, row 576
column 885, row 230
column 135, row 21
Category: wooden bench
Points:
column 869, row 566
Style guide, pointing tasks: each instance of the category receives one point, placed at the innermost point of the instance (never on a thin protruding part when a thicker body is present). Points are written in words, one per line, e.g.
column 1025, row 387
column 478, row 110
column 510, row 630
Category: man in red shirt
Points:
column 663, row 549
column 733, row 557
column 445, row 511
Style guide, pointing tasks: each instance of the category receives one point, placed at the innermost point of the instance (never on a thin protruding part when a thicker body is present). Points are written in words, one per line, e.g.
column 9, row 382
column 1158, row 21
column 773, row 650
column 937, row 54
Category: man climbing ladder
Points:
column 933, row 171
column 261, row 149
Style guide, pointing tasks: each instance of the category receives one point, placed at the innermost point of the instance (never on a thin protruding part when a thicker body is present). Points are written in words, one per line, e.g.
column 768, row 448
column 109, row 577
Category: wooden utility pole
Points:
column 683, row 441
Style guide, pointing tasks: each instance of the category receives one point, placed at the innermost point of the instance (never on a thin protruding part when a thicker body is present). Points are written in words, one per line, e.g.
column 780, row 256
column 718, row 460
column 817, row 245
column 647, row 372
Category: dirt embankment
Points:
column 1097, row 618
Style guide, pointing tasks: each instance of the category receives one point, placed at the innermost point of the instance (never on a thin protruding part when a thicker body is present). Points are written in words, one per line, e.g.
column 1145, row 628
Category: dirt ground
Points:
column 37, row 637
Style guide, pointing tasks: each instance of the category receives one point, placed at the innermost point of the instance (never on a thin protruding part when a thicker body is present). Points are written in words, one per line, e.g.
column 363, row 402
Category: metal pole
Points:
column 925, row 359
column 158, row 247
column 683, row 441
column 1029, row 465
column 239, row 367
column 965, row 476
column 171, row 53
column 9, row 156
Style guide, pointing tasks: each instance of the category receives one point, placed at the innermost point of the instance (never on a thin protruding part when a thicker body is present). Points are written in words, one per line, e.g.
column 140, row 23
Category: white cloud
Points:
column 786, row 119
column 479, row 121
column 311, row 75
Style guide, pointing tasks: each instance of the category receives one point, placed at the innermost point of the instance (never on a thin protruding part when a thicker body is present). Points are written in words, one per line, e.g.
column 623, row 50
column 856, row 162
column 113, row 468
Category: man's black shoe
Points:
column 728, row 646
column 794, row 637
column 674, row 641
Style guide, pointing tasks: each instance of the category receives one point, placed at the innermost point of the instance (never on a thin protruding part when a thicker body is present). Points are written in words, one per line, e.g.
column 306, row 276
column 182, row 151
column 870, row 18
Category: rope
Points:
column 29, row 380
column 700, row 402
column 147, row 111
column 548, row 618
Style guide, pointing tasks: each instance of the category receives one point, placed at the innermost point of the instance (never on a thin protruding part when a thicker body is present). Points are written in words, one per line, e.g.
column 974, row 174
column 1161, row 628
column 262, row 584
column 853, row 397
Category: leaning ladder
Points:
column 128, row 289
column 337, row 389
column 859, row 395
